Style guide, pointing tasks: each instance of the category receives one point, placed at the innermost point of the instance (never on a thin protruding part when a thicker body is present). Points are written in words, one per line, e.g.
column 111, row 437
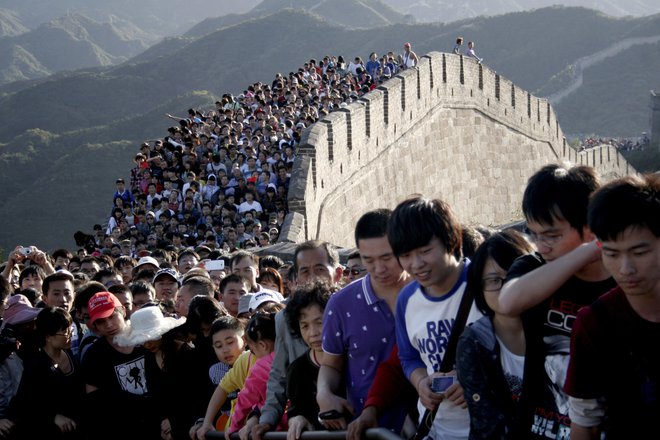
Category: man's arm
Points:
column 522, row 293
column 328, row 384
column 12, row 259
column 586, row 418
column 583, row 433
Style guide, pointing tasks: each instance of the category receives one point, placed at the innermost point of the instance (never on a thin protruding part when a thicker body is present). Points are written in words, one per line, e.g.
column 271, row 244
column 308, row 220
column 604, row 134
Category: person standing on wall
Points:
column 457, row 47
column 409, row 58
column 471, row 53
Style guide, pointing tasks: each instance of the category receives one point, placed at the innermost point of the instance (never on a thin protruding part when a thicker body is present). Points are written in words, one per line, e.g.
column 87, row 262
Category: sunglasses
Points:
column 355, row 271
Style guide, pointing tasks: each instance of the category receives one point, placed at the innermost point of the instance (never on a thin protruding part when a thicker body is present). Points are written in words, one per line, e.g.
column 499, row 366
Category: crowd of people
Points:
column 621, row 144
column 158, row 328
column 220, row 178
column 431, row 329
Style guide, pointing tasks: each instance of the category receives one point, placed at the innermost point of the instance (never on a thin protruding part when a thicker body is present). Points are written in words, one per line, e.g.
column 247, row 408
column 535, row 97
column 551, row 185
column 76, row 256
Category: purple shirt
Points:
column 359, row 326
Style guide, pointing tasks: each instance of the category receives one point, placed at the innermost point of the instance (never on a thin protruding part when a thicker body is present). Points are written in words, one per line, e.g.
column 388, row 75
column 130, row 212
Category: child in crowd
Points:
column 260, row 338
column 227, row 335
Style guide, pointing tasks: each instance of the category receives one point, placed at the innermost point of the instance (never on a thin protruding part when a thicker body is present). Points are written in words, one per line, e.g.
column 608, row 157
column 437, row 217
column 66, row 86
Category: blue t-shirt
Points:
column 360, row 326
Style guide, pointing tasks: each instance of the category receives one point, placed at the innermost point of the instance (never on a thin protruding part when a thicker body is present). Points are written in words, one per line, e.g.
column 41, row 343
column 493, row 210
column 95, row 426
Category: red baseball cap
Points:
column 102, row 305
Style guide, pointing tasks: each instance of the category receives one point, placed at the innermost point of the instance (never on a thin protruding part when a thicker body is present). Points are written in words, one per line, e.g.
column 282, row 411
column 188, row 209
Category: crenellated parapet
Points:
column 449, row 128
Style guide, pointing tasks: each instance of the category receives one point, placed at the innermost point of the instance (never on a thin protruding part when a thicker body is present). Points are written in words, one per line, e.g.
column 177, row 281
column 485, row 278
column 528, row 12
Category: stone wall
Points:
column 451, row 128
column 655, row 118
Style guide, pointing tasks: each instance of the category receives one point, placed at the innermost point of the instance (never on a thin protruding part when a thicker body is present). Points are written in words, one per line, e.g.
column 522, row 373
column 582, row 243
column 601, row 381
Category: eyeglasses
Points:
column 68, row 333
column 355, row 271
column 492, row 284
column 547, row 238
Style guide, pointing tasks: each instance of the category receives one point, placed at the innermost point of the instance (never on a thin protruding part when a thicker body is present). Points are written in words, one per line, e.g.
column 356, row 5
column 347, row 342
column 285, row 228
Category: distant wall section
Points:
column 655, row 119
column 451, row 128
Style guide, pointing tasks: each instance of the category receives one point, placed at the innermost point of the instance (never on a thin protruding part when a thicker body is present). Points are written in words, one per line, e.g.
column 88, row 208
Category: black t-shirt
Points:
column 301, row 380
column 614, row 359
column 45, row 392
column 108, row 369
column 122, row 383
column 548, row 336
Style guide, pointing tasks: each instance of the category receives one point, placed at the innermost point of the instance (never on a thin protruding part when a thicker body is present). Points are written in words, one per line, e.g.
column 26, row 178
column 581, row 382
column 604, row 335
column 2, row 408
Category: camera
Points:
column 25, row 251
column 440, row 384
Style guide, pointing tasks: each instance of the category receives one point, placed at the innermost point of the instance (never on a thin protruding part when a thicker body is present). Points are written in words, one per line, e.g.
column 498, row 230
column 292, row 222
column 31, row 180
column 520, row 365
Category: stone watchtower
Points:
column 655, row 118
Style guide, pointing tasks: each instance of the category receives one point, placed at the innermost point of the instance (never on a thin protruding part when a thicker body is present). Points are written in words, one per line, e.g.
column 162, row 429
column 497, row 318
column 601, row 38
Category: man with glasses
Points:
column 354, row 269
column 548, row 288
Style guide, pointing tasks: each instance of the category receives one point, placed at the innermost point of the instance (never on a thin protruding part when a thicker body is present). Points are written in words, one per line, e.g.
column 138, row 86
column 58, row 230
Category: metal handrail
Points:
column 370, row 434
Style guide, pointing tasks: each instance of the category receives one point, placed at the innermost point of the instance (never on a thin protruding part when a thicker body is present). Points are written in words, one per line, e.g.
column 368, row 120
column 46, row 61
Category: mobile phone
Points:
column 214, row 265
column 440, row 384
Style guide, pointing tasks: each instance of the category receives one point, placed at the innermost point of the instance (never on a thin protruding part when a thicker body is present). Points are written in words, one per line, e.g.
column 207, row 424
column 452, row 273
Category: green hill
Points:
column 157, row 17
column 451, row 10
column 349, row 13
column 68, row 43
column 10, row 24
column 622, row 110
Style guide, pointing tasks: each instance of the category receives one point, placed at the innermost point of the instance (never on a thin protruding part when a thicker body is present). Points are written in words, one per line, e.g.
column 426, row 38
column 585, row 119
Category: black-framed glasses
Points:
column 67, row 334
column 492, row 284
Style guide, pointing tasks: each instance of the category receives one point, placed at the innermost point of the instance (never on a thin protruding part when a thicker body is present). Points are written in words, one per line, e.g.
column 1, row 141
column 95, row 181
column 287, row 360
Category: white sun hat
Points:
column 146, row 324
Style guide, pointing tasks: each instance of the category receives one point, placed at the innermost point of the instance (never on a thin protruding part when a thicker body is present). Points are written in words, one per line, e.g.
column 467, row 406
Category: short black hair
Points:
column 227, row 323
column 232, row 278
column 185, row 252
column 203, row 310
column 625, row 202
column 64, row 253
column 141, row 288
column 98, row 276
column 124, row 260
column 317, row 292
column 560, row 192
column 417, row 220
column 270, row 261
column 60, row 275
column 373, row 224
column 200, row 285
column 50, row 321
column 86, row 292
column 471, row 237
column 31, row 270
column 240, row 255
column 353, row 255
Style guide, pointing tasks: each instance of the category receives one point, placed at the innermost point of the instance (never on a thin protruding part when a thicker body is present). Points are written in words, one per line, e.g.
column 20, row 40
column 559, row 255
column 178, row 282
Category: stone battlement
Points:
column 450, row 128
